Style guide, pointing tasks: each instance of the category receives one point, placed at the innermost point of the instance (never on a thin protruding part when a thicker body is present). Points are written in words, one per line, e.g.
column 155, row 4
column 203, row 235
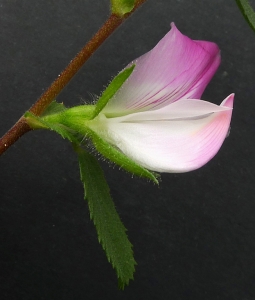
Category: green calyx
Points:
column 76, row 125
column 73, row 118
column 84, row 122
column 69, row 123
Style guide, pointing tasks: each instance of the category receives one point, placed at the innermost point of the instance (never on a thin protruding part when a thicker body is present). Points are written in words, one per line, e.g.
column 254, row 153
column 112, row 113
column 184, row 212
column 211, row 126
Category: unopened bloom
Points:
column 157, row 118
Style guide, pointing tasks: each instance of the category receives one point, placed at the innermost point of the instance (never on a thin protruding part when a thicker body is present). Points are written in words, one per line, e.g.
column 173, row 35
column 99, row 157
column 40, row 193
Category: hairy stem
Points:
column 21, row 127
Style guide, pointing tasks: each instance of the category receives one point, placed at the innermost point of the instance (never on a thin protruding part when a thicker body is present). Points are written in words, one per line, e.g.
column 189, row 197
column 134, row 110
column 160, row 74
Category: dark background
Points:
column 194, row 237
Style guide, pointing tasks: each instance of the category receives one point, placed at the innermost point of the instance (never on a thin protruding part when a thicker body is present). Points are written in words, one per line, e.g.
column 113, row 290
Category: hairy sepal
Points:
column 36, row 122
column 111, row 90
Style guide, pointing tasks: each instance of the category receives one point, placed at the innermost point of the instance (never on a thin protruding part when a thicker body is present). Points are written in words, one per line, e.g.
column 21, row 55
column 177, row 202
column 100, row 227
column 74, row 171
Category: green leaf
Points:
column 247, row 12
column 119, row 158
column 122, row 7
column 111, row 232
column 112, row 88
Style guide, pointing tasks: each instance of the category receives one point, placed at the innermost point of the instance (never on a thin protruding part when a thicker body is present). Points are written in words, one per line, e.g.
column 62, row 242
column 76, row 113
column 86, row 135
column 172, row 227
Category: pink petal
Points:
column 179, row 145
column 177, row 67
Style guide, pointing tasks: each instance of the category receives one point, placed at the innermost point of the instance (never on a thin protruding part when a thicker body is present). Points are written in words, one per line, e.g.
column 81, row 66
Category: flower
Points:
column 157, row 118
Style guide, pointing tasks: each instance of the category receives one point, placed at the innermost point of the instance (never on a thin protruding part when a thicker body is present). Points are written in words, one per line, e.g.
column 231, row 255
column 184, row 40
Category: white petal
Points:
column 182, row 109
column 177, row 145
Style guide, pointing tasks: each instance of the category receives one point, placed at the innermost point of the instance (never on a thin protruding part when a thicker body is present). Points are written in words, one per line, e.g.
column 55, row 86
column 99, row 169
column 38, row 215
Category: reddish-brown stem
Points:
column 21, row 127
